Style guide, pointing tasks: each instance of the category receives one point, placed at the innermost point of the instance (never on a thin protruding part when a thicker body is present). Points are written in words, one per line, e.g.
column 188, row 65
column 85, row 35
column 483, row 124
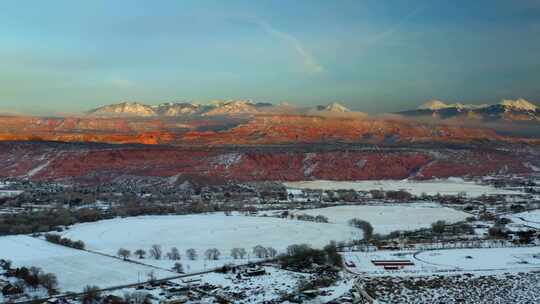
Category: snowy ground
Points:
column 449, row 261
column 529, row 218
column 388, row 218
column 203, row 232
column 74, row 268
column 451, row 186
column 9, row 193
column 257, row 289
column 515, row 288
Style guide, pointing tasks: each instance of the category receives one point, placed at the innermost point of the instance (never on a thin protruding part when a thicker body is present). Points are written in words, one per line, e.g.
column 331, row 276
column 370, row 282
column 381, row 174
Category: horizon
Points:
column 214, row 102
column 370, row 56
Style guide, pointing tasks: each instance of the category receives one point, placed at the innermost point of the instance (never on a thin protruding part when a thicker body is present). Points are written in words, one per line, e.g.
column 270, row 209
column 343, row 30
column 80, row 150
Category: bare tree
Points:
column 140, row 253
column 191, row 254
column 260, row 252
column 156, row 252
column 174, row 254
column 137, row 297
column 178, row 267
column 212, row 254
column 49, row 281
column 91, row 294
column 242, row 253
column 151, row 276
column 271, row 252
column 124, row 253
column 238, row 253
column 34, row 276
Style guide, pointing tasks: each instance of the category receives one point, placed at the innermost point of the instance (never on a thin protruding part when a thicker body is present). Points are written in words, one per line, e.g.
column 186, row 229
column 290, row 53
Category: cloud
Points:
column 383, row 35
column 309, row 61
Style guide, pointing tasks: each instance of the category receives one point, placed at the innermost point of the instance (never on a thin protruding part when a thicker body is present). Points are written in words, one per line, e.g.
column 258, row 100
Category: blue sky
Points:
column 374, row 56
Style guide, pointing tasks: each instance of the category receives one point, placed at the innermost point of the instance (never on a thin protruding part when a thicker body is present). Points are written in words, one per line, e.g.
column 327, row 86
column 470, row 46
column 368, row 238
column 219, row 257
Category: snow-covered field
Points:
column 451, row 186
column 74, row 268
column 203, row 232
column 529, row 218
column 388, row 218
column 449, row 261
column 483, row 259
column 9, row 193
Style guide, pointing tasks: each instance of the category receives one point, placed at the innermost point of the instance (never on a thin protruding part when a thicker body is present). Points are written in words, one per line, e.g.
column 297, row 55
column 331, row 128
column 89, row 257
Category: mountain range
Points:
column 216, row 108
column 519, row 110
column 507, row 110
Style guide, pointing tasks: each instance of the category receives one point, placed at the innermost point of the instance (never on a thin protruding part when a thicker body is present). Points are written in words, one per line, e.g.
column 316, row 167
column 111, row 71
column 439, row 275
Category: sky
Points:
column 64, row 56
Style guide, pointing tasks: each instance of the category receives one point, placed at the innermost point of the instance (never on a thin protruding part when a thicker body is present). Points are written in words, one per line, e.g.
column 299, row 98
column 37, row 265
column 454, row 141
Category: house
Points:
column 392, row 264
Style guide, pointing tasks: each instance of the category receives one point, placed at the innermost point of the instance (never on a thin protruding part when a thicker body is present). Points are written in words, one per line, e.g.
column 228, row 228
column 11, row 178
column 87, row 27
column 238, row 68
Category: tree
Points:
column 174, row 254
column 156, row 252
column 212, row 254
column 238, row 253
column 191, row 254
column 332, row 254
column 140, row 253
column 33, row 278
column 260, row 252
column 49, row 281
column 91, row 294
column 79, row 245
column 438, row 227
column 271, row 252
column 178, row 267
column 364, row 225
column 297, row 248
column 137, row 297
column 7, row 264
column 151, row 276
column 124, row 253
column 525, row 237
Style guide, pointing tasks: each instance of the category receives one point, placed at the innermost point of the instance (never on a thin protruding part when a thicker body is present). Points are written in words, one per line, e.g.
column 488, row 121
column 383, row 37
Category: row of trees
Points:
column 156, row 252
column 57, row 239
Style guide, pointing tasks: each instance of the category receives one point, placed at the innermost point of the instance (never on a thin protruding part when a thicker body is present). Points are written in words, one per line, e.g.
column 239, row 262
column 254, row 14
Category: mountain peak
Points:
column 124, row 108
column 434, row 105
column 334, row 107
column 519, row 104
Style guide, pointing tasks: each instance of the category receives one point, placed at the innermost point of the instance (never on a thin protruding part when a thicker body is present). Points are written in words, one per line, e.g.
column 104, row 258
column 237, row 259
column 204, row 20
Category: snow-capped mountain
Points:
column 179, row 109
column 436, row 105
column 232, row 107
column 216, row 108
column 124, row 109
column 519, row 105
column 507, row 110
column 333, row 107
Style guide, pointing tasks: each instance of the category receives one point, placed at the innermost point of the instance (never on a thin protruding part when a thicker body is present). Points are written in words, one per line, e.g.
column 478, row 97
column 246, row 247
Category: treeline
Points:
column 56, row 239
column 44, row 221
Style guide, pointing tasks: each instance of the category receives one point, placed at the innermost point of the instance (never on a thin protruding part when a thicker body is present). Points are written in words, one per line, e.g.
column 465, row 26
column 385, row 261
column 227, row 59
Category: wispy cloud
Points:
column 309, row 61
column 389, row 32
